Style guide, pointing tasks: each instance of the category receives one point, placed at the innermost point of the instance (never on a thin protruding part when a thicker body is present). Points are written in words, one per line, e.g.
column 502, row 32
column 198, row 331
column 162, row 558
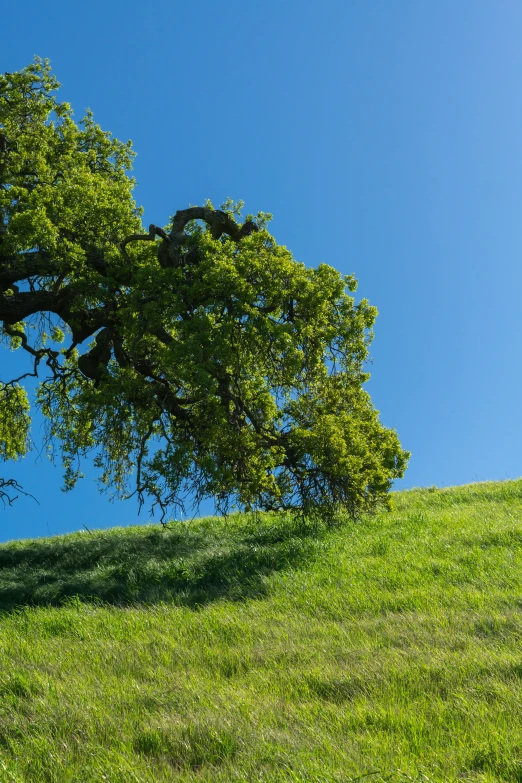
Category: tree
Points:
column 197, row 360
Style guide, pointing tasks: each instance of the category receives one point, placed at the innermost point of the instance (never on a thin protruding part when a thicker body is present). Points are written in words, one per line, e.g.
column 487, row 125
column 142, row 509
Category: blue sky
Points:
column 386, row 139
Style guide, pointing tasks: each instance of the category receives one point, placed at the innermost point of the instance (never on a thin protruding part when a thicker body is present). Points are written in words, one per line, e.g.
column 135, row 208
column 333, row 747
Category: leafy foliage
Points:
column 196, row 360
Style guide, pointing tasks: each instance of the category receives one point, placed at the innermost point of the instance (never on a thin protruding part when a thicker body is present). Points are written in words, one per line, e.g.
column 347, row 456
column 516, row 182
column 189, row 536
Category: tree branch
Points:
column 154, row 231
column 22, row 304
column 218, row 221
column 169, row 253
column 10, row 484
column 25, row 265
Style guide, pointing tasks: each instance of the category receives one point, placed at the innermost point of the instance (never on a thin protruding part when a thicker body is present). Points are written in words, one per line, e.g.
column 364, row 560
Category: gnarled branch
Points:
column 169, row 253
column 218, row 221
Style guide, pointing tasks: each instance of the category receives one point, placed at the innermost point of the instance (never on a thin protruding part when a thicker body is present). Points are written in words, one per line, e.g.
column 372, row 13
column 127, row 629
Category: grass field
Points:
column 252, row 650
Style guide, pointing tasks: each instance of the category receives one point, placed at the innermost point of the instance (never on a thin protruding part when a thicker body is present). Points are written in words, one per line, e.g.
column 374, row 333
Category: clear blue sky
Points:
column 385, row 137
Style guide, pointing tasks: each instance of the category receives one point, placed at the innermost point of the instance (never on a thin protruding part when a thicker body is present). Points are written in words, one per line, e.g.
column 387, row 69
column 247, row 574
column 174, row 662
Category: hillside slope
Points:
column 246, row 650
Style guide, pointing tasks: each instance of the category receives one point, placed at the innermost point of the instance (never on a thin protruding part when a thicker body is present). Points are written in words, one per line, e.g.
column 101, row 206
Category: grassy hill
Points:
column 243, row 650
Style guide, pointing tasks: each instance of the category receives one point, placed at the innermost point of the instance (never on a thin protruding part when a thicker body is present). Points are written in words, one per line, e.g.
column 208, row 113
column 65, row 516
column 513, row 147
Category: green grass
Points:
column 243, row 650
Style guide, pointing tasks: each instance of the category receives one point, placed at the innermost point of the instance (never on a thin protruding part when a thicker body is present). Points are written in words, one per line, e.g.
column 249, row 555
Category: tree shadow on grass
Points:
column 190, row 565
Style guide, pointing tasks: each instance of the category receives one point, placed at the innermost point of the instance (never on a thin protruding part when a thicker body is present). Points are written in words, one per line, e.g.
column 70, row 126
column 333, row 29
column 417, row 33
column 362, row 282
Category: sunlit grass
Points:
column 255, row 650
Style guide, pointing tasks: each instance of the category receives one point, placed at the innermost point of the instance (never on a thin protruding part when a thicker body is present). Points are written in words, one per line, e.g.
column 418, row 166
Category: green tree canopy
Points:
column 191, row 361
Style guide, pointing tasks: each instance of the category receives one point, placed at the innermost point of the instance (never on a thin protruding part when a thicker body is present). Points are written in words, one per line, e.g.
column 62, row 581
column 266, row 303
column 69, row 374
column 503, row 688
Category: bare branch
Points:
column 8, row 485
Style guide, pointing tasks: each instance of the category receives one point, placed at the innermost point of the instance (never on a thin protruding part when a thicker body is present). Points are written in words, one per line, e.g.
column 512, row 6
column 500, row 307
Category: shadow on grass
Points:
column 190, row 565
